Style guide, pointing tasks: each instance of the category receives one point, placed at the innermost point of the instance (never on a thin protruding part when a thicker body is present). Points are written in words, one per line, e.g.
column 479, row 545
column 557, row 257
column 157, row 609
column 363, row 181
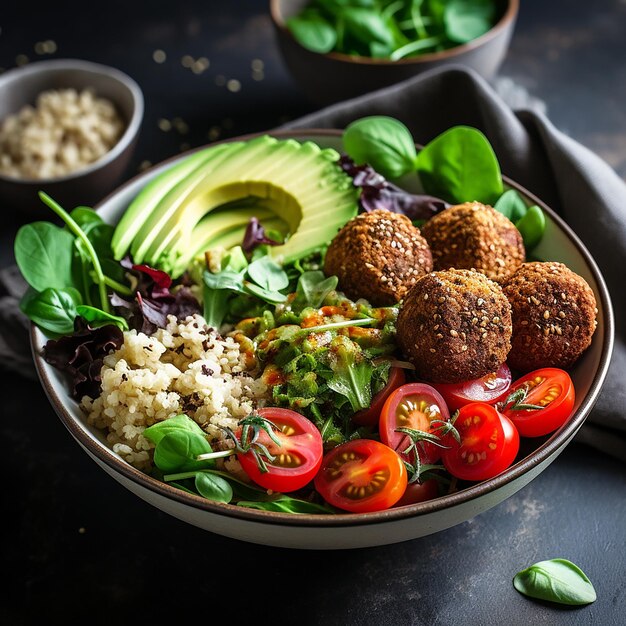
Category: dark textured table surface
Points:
column 76, row 547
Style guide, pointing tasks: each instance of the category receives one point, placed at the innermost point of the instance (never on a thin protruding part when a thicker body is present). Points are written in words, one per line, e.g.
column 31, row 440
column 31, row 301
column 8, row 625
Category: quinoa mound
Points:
column 378, row 256
column 554, row 316
column 455, row 325
column 475, row 236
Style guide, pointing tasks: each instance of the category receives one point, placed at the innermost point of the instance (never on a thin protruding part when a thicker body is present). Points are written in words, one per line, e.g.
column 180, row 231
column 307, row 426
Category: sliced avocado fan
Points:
column 207, row 199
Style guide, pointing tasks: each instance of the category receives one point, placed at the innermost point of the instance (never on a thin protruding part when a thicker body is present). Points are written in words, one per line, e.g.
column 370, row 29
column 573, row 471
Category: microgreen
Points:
column 516, row 401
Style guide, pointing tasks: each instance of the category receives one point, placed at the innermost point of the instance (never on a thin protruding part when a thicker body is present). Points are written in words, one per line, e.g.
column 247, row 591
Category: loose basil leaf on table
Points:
column 556, row 580
column 460, row 166
column 382, row 142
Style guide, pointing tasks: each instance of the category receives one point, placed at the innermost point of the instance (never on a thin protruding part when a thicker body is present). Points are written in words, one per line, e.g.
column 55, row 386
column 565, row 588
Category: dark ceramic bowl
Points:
column 328, row 78
column 89, row 185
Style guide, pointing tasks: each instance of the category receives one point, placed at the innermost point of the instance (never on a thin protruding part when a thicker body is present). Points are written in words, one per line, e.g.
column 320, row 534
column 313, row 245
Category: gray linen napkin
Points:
column 567, row 176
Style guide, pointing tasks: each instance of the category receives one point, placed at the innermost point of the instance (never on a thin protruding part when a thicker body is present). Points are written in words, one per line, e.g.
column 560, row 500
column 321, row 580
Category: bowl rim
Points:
column 542, row 454
column 509, row 16
column 12, row 78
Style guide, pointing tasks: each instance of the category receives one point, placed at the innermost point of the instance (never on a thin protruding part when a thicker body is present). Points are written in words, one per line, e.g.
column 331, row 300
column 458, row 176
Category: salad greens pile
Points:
column 391, row 29
column 459, row 165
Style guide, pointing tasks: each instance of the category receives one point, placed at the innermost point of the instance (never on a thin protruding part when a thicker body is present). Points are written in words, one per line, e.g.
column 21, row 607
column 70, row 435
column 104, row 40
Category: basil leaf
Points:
column 313, row 32
column 98, row 317
column 532, row 226
column 53, row 310
column 468, row 19
column 556, row 580
column 511, row 205
column 157, row 431
column 177, row 451
column 43, row 253
column 213, row 487
column 460, row 166
column 382, row 142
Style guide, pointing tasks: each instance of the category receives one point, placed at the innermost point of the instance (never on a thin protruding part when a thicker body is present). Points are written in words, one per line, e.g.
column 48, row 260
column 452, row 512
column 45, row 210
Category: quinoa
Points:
column 64, row 132
column 186, row 368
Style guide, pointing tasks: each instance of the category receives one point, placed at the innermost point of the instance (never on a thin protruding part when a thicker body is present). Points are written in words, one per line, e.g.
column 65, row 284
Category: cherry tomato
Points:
column 486, row 389
column 419, row 492
column 550, row 388
column 370, row 416
column 361, row 475
column 489, row 443
column 296, row 460
column 414, row 406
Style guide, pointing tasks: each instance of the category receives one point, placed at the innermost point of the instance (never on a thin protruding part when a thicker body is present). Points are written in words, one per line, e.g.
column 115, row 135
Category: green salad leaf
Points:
column 213, row 487
column 53, row 310
column 556, row 580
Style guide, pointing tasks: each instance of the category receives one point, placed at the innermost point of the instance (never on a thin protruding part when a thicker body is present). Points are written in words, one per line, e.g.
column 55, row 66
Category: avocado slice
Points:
column 297, row 184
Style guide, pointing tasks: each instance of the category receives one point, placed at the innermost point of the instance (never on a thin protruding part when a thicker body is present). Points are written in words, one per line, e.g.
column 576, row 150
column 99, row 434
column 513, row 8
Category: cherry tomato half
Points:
column 414, row 406
column 550, row 388
column 489, row 443
column 488, row 389
column 296, row 460
column 370, row 416
column 361, row 475
column 419, row 492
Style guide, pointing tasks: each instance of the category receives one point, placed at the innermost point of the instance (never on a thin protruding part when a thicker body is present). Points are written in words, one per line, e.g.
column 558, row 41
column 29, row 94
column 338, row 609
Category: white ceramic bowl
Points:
column 353, row 530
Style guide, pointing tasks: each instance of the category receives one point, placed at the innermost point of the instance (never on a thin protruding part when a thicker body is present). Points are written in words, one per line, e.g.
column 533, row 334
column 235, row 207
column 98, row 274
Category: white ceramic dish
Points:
column 352, row 530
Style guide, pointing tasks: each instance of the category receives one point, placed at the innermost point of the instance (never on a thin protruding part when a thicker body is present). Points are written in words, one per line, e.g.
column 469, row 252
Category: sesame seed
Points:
column 439, row 336
column 480, row 302
column 463, row 348
column 546, row 314
column 454, row 333
column 562, row 315
column 433, row 350
column 441, row 300
column 425, row 296
column 534, row 300
column 524, row 322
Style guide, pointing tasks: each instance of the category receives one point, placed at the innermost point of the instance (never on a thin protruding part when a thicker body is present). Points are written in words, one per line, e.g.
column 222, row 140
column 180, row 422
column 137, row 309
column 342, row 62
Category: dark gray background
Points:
column 77, row 546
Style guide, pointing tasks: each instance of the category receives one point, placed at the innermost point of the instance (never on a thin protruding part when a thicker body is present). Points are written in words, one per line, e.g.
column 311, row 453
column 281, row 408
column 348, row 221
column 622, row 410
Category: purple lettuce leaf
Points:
column 379, row 193
column 255, row 236
column 80, row 355
column 154, row 300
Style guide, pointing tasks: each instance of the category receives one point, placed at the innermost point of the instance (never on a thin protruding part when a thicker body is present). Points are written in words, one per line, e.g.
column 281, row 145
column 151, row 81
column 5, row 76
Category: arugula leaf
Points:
column 556, row 580
column 285, row 504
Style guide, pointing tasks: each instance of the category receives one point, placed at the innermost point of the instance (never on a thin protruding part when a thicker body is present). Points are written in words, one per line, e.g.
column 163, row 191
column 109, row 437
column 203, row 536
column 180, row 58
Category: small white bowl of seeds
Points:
column 67, row 127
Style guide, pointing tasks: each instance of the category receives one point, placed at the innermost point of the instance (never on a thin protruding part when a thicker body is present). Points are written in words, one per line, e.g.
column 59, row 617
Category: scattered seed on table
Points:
column 187, row 61
column 165, row 125
column 258, row 75
column 233, row 85
column 159, row 56
column 257, row 65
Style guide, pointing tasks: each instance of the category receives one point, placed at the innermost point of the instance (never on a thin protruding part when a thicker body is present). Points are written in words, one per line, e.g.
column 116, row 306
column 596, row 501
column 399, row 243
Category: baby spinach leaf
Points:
column 177, row 451
column 43, row 253
column 511, row 205
column 313, row 32
column 556, row 580
column 273, row 297
column 382, row 142
column 85, row 216
column 98, row 317
column 285, row 504
column 367, row 25
column 268, row 274
column 53, row 310
column 532, row 226
column 213, row 487
column 460, row 166
column 157, row 431
column 313, row 286
column 468, row 19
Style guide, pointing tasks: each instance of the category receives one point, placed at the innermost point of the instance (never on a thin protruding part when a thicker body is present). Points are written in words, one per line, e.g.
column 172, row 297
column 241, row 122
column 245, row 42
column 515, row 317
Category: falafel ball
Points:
column 554, row 316
column 475, row 236
column 454, row 326
column 378, row 256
